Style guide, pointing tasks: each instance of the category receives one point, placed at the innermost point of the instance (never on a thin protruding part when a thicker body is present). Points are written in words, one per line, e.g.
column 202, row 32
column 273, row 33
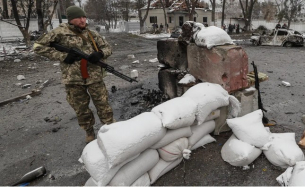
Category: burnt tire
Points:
column 288, row 44
column 255, row 42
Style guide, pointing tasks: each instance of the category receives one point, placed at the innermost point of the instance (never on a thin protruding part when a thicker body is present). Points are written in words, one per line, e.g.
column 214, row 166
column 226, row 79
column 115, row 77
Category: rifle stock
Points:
column 83, row 55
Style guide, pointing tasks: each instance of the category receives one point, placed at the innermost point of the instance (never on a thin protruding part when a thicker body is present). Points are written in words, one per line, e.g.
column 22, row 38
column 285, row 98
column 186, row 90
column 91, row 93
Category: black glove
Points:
column 95, row 57
column 71, row 58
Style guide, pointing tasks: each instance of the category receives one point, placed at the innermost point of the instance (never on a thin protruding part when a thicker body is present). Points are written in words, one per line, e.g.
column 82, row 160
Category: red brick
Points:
column 225, row 65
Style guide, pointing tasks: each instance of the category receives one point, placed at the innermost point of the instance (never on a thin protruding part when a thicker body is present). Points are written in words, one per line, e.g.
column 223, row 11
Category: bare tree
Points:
column 39, row 12
column 49, row 16
column 191, row 6
column 290, row 10
column 269, row 10
column 247, row 8
column 164, row 12
column 28, row 9
column 140, row 4
column 223, row 12
column 5, row 10
column 213, row 3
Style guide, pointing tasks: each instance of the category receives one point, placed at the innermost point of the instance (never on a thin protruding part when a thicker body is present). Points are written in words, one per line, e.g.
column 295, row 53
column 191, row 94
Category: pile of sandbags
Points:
column 250, row 138
column 138, row 151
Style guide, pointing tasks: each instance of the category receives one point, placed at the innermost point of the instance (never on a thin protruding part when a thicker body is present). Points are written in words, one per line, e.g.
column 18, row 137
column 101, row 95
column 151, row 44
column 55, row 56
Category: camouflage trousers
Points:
column 78, row 96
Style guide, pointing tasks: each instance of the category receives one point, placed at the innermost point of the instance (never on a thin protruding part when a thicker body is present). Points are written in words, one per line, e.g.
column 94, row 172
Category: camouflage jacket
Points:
column 71, row 73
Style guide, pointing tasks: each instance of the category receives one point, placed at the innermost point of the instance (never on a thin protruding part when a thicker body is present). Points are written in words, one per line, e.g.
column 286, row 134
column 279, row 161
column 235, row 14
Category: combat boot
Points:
column 302, row 141
column 90, row 135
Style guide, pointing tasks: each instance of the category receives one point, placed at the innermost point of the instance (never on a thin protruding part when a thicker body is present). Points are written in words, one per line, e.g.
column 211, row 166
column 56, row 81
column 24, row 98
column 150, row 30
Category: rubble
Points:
column 20, row 77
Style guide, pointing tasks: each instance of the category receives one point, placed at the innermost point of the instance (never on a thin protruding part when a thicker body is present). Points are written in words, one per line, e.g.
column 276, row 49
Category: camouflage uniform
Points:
column 77, row 87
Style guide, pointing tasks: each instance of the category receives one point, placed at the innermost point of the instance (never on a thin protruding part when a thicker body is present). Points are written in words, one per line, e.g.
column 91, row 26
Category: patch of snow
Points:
column 188, row 78
column 154, row 60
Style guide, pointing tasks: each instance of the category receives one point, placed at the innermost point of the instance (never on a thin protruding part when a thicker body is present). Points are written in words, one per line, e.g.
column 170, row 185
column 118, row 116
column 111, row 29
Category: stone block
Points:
column 248, row 99
column 172, row 53
column 168, row 82
column 225, row 65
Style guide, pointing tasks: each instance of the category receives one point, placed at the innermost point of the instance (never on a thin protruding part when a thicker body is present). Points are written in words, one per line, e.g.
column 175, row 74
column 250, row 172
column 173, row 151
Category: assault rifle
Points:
column 260, row 104
column 85, row 56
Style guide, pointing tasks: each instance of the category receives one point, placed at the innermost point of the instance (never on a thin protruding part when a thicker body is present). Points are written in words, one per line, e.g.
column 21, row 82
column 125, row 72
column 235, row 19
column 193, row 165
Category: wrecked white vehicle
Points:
column 278, row 37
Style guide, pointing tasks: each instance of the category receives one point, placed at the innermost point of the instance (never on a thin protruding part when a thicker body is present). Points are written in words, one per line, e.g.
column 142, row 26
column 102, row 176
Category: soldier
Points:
column 82, row 80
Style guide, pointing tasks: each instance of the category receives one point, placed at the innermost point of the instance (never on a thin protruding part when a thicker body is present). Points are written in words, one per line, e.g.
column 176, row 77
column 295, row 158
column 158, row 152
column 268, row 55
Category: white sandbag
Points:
column 176, row 113
column 144, row 180
column 210, row 97
column 239, row 153
column 199, row 131
column 161, row 168
column 134, row 169
column 173, row 150
column 123, row 140
column 250, row 128
column 283, row 150
column 203, row 141
column 298, row 175
column 213, row 115
column 91, row 182
column 211, row 36
column 172, row 135
column 284, row 178
column 97, row 164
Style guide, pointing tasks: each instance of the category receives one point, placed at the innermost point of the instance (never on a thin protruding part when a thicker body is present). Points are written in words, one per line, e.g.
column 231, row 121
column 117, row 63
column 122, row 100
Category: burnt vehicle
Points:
column 176, row 33
column 278, row 37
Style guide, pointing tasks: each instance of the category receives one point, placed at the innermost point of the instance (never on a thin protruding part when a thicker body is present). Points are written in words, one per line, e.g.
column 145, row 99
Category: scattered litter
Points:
column 56, row 64
column 20, row 77
column 18, row 84
column 264, row 169
column 26, row 86
column 130, row 56
column 17, row 60
column 134, row 73
column 246, row 167
column 286, row 83
column 28, row 97
column 154, row 60
column 124, row 67
column 136, row 62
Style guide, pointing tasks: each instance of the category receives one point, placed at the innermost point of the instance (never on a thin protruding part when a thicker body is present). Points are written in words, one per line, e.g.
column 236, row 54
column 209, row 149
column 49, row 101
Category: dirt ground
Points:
column 43, row 131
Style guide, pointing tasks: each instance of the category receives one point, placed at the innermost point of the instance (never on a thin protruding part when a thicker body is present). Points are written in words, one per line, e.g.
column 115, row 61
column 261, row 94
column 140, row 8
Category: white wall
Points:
column 8, row 31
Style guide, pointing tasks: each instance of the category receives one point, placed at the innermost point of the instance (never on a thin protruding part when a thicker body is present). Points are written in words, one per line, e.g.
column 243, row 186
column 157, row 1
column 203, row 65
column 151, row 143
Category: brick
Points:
column 172, row 52
column 225, row 65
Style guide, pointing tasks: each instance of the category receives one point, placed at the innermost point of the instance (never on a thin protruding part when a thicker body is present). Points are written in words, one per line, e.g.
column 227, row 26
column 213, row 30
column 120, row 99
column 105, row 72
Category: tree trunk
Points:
column 165, row 17
column 39, row 15
column 49, row 20
column 59, row 13
column 5, row 9
column 223, row 12
column 23, row 30
column 142, row 20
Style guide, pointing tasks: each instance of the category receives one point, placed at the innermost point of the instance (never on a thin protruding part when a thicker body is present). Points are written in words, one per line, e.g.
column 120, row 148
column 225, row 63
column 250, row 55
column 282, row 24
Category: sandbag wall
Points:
column 226, row 65
column 250, row 140
column 140, row 150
